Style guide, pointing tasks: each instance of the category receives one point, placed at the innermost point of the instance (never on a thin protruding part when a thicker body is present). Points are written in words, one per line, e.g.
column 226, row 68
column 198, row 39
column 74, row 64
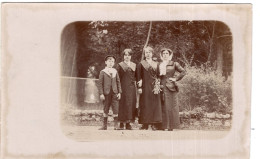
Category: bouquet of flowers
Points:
column 157, row 87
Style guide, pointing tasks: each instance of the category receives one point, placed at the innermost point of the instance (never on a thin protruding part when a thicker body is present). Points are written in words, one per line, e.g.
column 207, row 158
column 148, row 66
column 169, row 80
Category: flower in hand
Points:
column 157, row 86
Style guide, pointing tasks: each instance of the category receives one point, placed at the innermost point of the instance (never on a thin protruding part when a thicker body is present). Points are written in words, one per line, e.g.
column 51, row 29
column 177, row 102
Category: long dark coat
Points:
column 150, row 103
column 127, row 103
column 170, row 108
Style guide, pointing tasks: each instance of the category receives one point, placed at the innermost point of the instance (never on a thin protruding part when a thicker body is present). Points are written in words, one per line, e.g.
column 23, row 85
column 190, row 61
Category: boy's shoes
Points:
column 104, row 127
column 116, row 123
column 128, row 126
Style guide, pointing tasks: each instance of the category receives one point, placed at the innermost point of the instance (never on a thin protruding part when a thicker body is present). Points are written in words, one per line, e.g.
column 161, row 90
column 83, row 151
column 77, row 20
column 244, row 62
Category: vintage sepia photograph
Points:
column 147, row 75
column 126, row 80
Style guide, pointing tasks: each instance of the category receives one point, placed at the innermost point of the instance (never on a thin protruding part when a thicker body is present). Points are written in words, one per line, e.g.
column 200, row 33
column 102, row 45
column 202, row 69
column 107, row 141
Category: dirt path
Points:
column 91, row 133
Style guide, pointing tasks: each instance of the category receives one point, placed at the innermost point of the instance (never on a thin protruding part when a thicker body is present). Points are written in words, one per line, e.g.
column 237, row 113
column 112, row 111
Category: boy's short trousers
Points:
column 111, row 100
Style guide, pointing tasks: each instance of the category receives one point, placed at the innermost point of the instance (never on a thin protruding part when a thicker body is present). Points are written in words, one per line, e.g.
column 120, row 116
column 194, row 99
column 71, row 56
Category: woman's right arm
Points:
column 119, row 70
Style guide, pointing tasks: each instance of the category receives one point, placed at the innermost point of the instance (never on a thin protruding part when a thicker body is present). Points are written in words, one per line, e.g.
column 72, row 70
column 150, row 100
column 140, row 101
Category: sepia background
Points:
column 203, row 48
column 32, row 75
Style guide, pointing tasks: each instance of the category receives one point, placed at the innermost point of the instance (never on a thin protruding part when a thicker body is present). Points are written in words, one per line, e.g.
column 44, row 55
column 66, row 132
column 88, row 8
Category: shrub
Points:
column 205, row 88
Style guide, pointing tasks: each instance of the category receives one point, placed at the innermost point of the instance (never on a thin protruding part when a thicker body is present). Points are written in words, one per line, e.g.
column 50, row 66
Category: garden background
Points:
column 203, row 48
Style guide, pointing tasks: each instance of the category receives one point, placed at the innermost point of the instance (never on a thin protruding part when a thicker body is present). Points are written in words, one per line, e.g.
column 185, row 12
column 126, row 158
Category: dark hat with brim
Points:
column 110, row 56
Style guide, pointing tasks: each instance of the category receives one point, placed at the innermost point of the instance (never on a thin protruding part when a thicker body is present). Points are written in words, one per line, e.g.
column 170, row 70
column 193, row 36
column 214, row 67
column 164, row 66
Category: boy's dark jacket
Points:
column 106, row 82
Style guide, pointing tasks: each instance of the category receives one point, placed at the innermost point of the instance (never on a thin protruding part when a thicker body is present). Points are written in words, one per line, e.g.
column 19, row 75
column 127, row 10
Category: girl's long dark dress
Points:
column 170, row 108
column 127, row 103
column 150, row 103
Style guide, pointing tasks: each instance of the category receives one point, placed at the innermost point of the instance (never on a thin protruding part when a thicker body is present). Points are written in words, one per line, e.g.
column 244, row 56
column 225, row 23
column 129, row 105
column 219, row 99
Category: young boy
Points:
column 109, row 90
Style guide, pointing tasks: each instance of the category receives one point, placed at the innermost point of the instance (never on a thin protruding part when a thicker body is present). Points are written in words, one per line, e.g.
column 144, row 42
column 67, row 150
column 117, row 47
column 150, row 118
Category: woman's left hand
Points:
column 139, row 83
column 172, row 79
column 118, row 96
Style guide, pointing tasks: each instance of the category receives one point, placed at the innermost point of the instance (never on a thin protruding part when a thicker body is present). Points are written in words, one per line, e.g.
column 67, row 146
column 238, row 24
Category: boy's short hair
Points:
column 110, row 56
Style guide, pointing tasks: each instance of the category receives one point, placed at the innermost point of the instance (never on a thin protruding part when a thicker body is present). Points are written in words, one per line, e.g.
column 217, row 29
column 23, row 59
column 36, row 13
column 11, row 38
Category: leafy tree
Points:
column 194, row 43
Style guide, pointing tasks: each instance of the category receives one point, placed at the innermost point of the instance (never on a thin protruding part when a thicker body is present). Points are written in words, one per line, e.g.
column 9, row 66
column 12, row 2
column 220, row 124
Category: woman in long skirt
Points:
column 150, row 102
column 170, row 108
column 127, row 104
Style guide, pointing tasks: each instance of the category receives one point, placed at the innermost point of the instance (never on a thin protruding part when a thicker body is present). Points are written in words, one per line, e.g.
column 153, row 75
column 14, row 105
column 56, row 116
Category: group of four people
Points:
column 155, row 83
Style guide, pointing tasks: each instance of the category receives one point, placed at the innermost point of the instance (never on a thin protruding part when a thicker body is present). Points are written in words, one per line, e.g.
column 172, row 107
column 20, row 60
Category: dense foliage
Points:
column 206, row 89
column 193, row 42
column 204, row 48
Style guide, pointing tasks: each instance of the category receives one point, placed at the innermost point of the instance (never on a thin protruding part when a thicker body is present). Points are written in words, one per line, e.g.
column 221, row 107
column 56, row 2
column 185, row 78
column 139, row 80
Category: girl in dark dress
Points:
column 127, row 104
column 150, row 102
column 170, row 108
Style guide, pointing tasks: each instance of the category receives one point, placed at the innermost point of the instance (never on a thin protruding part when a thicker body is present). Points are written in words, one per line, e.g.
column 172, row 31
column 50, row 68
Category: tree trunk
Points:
column 211, row 43
column 147, row 40
column 220, row 58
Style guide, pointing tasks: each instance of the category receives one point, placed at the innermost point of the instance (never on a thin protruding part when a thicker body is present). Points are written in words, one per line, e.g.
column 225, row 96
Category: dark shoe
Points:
column 170, row 129
column 144, row 127
column 104, row 127
column 128, row 126
column 154, row 127
column 121, row 126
